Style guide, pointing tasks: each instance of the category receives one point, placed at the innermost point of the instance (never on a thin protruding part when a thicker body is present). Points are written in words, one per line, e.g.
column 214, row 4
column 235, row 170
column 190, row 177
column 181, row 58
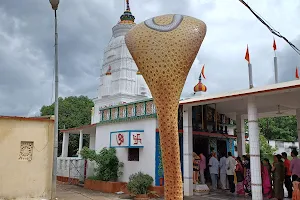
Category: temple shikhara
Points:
column 124, row 117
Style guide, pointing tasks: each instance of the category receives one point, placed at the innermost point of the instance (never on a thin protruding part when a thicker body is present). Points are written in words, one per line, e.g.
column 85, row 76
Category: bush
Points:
column 108, row 165
column 139, row 183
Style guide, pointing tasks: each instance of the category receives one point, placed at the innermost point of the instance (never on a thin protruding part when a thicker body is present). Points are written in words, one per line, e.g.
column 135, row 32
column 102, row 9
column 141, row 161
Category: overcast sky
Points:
column 27, row 45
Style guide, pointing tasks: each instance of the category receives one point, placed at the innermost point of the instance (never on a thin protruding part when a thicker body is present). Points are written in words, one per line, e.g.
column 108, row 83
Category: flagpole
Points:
column 250, row 75
column 275, row 62
column 275, row 69
column 247, row 57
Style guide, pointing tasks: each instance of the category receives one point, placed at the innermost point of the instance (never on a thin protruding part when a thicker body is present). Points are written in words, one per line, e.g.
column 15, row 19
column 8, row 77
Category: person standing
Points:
column 266, row 178
column 295, row 166
column 196, row 161
column 202, row 167
column 239, row 171
column 287, row 180
column 214, row 170
column 223, row 175
column 247, row 175
column 278, row 177
column 230, row 164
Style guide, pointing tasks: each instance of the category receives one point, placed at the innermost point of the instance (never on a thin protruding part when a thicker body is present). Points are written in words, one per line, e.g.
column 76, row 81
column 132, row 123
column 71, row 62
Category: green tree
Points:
column 73, row 112
column 279, row 128
column 109, row 168
column 266, row 151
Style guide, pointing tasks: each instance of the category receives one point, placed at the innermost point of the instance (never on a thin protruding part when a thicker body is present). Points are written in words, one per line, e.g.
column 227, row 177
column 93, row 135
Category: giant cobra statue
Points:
column 164, row 49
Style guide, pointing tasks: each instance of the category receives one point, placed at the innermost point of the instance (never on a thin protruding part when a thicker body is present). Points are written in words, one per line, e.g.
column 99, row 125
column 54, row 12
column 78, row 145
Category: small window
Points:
column 133, row 154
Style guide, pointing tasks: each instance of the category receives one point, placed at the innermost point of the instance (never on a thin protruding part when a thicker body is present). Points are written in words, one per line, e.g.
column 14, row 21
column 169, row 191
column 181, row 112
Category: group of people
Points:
column 234, row 174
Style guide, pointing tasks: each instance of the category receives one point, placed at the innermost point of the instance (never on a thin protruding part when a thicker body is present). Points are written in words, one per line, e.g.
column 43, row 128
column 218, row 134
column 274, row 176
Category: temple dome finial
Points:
column 200, row 87
column 127, row 17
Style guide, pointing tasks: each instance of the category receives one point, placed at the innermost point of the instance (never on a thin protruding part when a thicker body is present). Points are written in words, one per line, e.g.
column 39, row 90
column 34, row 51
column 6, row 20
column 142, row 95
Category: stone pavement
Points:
column 71, row 192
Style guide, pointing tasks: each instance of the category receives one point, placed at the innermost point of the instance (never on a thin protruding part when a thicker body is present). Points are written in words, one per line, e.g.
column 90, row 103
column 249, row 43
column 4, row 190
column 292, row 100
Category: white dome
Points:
column 121, row 29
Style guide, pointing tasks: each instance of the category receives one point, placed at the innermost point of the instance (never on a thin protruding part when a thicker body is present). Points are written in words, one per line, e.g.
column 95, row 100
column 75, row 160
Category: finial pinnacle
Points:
column 127, row 17
column 128, row 7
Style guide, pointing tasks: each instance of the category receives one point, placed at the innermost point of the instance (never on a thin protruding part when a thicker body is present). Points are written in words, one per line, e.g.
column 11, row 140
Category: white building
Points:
column 283, row 146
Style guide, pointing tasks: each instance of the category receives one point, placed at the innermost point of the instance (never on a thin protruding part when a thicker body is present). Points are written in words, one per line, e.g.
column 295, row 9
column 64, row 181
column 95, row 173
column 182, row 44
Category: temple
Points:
column 124, row 117
column 120, row 80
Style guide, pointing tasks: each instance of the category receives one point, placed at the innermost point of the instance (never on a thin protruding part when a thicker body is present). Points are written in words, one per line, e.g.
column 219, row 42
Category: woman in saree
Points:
column 239, row 171
column 278, row 177
column 247, row 175
column 266, row 178
column 196, row 160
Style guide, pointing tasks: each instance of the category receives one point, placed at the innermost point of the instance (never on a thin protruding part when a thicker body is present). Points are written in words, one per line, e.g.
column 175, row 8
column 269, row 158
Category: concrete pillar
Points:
column 187, row 151
column 65, row 145
column 298, row 123
column 240, row 131
column 80, row 143
column 255, row 165
column 92, row 141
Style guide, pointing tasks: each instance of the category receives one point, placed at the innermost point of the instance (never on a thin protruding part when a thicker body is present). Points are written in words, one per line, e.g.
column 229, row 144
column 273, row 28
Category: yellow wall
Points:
column 22, row 179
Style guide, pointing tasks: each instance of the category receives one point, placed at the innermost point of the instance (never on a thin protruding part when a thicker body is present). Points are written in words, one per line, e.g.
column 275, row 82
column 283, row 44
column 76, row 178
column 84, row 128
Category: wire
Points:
column 270, row 27
column 46, row 142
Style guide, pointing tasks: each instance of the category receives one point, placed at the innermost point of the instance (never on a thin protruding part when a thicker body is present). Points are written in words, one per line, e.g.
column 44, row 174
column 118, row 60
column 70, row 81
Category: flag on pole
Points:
column 202, row 72
column 274, row 45
column 247, row 56
column 297, row 73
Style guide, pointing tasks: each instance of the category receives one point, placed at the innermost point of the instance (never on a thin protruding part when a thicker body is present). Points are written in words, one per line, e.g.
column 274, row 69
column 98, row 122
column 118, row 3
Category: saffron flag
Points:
column 274, row 45
column 247, row 56
column 202, row 72
column 297, row 73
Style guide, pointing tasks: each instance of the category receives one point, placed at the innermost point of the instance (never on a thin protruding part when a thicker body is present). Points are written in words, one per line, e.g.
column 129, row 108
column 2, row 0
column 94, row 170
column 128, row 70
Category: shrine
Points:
column 124, row 117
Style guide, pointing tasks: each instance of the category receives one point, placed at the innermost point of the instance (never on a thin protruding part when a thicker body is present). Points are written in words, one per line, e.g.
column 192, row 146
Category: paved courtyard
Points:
column 71, row 192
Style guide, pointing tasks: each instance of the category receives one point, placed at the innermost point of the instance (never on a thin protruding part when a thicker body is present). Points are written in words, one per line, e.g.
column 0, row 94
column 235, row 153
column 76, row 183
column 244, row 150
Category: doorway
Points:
column 221, row 147
column 200, row 145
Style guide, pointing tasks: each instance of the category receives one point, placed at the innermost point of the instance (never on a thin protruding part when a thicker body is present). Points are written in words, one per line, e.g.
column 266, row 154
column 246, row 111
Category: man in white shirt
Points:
column 223, row 171
column 214, row 170
column 230, row 164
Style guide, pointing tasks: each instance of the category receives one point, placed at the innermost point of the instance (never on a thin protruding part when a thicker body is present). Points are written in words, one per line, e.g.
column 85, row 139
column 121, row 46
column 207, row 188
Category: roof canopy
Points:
column 280, row 99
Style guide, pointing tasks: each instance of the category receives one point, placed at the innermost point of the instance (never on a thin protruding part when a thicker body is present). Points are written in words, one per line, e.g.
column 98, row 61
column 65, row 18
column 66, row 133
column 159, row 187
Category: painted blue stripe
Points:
column 157, row 141
column 127, row 131
column 227, row 145
column 129, row 139
column 127, row 146
column 232, row 148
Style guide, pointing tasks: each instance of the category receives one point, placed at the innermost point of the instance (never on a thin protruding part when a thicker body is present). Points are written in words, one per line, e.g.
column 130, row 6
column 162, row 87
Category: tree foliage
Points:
column 108, row 165
column 279, row 128
column 266, row 151
column 73, row 112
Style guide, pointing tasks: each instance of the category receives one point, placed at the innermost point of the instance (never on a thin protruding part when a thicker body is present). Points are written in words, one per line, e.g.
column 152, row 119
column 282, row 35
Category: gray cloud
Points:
column 27, row 45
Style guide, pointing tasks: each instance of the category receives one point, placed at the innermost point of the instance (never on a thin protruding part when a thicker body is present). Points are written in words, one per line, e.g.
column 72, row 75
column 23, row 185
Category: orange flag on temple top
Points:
column 274, row 45
column 202, row 72
column 247, row 56
column 297, row 73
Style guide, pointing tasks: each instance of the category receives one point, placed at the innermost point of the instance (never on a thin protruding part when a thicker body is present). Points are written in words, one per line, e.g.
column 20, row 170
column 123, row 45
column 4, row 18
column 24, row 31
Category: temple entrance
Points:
column 221, row 147
column 200, row 145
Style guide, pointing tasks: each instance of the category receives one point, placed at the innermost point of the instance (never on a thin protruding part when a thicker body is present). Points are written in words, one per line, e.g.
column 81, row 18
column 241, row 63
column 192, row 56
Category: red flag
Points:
column 274, row 45
column 247, row 56
column 297, row 73
column 202, row 72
